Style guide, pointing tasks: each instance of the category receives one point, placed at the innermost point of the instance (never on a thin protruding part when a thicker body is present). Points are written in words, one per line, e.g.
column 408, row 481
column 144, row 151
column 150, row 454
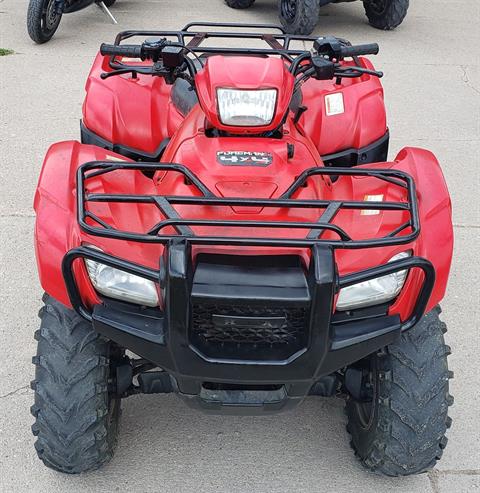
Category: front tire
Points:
column 299, row 16
column 400, row 428
column 42, row 20
column 76, row 414
column 109, row 3
column 239, row 4
column 386, row 14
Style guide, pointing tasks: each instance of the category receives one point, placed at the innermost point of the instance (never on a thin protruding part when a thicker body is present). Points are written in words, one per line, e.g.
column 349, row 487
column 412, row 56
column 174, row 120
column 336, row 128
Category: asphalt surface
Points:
column 432, row 85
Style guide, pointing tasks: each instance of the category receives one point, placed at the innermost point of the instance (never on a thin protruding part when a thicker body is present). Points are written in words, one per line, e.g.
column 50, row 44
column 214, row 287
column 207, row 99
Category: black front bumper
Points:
column 261, row 378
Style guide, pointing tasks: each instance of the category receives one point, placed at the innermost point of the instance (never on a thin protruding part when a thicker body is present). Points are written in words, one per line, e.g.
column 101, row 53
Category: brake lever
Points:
column 120, row 71
column 353, row 71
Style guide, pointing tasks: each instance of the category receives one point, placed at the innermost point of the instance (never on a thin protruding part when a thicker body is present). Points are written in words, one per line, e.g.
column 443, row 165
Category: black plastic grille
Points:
column 262, row 341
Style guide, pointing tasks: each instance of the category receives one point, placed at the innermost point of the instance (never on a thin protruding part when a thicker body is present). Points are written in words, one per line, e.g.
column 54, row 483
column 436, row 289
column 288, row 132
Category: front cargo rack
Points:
column 94, row 225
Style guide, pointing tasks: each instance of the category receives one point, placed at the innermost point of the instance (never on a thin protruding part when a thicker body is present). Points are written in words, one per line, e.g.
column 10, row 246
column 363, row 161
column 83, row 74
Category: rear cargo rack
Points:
column 94, row 225
column 276, row 43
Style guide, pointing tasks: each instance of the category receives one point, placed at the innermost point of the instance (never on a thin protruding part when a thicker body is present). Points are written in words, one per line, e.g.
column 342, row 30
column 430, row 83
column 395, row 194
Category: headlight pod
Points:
column 246, row 108
column 121, row 285
column 375, row 291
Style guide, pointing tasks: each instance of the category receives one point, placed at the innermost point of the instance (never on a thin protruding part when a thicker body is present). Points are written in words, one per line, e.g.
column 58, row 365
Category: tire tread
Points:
column 391, row 18
column 72, row 422
column 306, row 20
column 409, row 434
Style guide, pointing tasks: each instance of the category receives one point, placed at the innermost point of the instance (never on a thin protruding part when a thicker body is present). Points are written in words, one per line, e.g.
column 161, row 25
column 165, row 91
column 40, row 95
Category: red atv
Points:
column 230, row 220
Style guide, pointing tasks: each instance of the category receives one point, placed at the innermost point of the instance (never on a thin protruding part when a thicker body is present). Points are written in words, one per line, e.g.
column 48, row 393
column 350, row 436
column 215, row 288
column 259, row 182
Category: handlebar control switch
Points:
column 173, row 56
column 329, row 46
column 324, row 69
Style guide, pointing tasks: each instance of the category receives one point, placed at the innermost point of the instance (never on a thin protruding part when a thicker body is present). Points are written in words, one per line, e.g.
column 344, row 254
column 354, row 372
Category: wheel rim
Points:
column 50, row 18
column 113, row 399
column 289, row 9
column 366, row 408
column 379, row 6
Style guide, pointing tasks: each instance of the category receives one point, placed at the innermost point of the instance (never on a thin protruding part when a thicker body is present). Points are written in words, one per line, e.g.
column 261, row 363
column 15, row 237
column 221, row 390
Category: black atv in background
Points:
column 43, row 16
column 301, row 16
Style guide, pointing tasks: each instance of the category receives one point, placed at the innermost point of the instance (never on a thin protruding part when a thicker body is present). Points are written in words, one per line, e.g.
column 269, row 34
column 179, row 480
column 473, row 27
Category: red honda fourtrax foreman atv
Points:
column 301, row 16
column 231, row 221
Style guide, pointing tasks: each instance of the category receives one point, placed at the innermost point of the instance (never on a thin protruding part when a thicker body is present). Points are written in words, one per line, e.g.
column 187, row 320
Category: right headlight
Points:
column 375, row 291
column 121, row 285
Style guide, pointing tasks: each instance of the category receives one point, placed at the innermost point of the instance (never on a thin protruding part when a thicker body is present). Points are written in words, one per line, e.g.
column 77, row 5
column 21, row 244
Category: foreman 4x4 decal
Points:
column 244, row 158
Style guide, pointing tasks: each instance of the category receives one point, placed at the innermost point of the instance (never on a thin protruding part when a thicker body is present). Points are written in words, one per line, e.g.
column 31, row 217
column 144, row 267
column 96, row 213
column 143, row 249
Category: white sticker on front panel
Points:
column 371, row 198
column 334, row 104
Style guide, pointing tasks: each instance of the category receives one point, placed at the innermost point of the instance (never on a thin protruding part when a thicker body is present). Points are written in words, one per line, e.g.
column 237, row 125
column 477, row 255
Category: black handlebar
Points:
column 130, row 51
column 359, row 50
column 323, row 66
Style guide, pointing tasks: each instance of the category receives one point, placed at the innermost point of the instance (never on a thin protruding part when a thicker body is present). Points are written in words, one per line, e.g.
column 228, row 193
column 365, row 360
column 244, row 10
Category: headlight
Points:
column 121, row 285
column 244, row 108
column 375, row 291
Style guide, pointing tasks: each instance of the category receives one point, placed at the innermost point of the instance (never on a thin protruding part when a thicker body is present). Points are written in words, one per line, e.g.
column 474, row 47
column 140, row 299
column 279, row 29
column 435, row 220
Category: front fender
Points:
column 435, row 242
column 56, row 226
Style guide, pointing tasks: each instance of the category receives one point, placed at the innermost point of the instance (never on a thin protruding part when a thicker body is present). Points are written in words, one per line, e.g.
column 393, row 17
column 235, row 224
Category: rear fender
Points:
column 362, row 122
column 134, row 112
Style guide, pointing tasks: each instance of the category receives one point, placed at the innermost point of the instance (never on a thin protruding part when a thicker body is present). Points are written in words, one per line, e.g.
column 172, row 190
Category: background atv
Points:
column 301, row 16
column 44, row 16
column 230, row 219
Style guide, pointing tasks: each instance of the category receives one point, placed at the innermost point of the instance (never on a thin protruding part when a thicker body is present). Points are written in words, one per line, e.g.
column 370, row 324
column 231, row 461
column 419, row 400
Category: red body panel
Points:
column 139, row 114
column 136, row 113
column 363, row 122
column 57, row 230
column 227, row 72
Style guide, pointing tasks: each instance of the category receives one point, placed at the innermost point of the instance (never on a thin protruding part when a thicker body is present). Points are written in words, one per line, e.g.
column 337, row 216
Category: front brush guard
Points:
column 164, row 340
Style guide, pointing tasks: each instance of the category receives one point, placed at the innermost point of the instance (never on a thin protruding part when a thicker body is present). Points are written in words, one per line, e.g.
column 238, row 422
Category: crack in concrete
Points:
column 13, row 392
column 17, row 214
column 435, row 475
column 434, row 482
column 27, row 215
column 466, row 226
column 466, row 79
column 459, row 472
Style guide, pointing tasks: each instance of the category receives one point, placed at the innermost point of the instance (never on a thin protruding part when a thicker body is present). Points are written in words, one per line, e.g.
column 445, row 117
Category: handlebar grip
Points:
column 358, row 50
column 130, row 51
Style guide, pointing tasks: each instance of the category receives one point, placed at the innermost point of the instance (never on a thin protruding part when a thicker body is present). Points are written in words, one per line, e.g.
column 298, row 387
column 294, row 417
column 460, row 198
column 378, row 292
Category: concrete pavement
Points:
column 432, row 88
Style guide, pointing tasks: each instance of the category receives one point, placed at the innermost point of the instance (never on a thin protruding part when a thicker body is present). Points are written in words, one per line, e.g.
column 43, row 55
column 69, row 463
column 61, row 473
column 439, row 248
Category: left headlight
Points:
column 121, row 285
column 246, row 108
column 375, row 291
